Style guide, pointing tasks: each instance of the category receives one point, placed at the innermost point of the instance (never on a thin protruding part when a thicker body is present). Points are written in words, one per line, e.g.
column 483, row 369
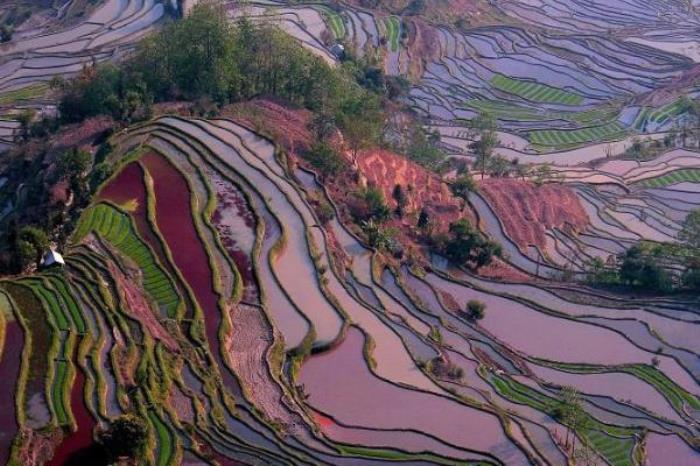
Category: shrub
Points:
column 641, row 267
column 463, row 186
column 467, row 246
column 125, row 436
column 325, row 159
column 476, row 310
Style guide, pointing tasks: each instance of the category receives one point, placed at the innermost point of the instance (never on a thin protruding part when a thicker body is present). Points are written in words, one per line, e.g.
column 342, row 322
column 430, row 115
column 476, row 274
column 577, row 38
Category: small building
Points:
column 338, row 51
column 52, row 258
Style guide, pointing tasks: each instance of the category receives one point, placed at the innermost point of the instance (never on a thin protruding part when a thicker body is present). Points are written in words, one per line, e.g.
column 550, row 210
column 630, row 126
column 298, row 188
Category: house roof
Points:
column 52, row 257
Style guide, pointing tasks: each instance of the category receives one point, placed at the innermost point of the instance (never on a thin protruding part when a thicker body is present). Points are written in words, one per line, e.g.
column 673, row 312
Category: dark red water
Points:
column 76, row 443
column 128, row 186
column 10, row 362
column 174, row 219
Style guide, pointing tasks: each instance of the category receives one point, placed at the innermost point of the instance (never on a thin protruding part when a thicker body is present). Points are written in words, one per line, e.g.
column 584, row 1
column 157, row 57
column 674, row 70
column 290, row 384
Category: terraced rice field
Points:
column 563, row 138
column 103, row 332
column 335, row 21
column 393, row 32
column 675, row 177
column 534, row 91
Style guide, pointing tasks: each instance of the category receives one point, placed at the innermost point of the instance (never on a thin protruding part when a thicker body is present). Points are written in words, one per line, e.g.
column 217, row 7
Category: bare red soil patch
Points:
column 139, row 309
column 423, row 189
column 82, row 133
column 246, row 349
column 527, row 211
column 288, row 127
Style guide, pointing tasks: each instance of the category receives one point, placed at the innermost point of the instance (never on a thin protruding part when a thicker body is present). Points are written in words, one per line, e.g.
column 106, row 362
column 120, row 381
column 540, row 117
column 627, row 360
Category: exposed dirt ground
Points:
column 286, row 126
column 246, row 350
column 527, row 211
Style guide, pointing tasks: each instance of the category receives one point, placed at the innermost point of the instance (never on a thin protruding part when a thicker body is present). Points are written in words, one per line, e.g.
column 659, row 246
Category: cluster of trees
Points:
column 483, row 128
column 684, row 133
column 206, row 57
column 466, row 246
column 656, row 267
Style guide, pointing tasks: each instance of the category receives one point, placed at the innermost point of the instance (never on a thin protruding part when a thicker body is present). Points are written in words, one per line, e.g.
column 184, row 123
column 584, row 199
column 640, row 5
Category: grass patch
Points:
column 535, row 92
column 166, row 442
column 335, row 22
column 563, row 138
column 32, row 91
column 393, row 32
column 118, row 229
column 614, row 443
column 691, row 175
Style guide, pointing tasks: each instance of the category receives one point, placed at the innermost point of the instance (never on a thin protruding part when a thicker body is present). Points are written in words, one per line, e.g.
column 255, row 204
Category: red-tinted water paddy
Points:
column 10, row 362
column 355, row 396
column 235, row 224
column 175, row 222
column 80, row 441
column 174, row 219
column 127, row 187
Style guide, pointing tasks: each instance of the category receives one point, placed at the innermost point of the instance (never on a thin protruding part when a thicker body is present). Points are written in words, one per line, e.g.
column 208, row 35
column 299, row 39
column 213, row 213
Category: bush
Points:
column 125, row 436
column 467, row 246
column 325, row 159
column 476, row 310
column 463, row 186
column 641, row 266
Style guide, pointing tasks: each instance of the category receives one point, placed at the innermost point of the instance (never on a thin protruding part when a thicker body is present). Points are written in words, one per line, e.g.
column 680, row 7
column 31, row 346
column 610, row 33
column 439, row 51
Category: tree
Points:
column 642, row 266
column 463, row 186
column 73, row 163
column 325, row 159
column 467, row 246
column 32, row 242
column 423, row 219
column 6, row 32
column 25, row 118
column 401, row 200
column 378, row 237
column 125, row 436
column 476, row 310
column 360, row 120
column 499, row 167
column 570, row 413
column 484, row 126
column 376, row 206
column 690, row 232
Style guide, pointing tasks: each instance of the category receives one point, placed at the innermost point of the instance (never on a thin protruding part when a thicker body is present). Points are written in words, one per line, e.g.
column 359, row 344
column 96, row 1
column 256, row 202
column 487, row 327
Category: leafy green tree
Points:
column 32, row 242
column 400, row 197
column 641, row 266
column 499, row 167
column 378, row 237
column 73, row 163
column 463, row 186
column 376, row 205
column 6, row 32
column 690, row 232
column 476, row 310
column 424, row 148
column 126, row 436
column 484, row 125
column 423, row 219
column 325, row 159
column 467, row 246
column 360, row 120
